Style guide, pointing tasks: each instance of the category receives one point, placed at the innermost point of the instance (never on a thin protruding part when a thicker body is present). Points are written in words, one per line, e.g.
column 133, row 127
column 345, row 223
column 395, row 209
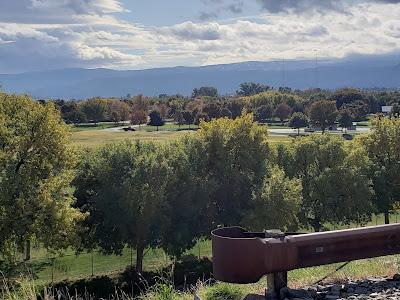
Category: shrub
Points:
column 223, row 291
column 161, row 291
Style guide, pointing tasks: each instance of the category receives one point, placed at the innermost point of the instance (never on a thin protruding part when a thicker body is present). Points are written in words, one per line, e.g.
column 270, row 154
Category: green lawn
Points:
column 92, row 126
column 48, row 267
column 92, row 138
column 95, row 138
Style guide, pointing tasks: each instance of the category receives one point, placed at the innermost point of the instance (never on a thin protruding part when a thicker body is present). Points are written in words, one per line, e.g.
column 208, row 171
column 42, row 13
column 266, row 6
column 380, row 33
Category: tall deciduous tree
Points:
column 95, row 109
column 251, row 88
column 123, row 188
column 282, row 112
column 184, row 217
column 335, row 181
column 236, row 153
column 37, row 166
column 138, row 117
column 118, row 111
column 206, row 91
column 187, row 117
column 323, row 114
column 345, row 119
column 263, row 113
column 156, row 119
column 276, row 205
column 297, row 121
column 383, row 147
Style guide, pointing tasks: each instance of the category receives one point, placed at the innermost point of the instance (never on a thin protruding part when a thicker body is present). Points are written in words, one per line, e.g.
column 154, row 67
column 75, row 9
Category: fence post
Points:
column 198, row 246
column 52, row 269
column 131, row 257
column 92, row 265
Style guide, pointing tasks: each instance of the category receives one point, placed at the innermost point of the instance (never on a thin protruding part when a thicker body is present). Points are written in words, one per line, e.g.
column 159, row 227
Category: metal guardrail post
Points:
column 275, row 282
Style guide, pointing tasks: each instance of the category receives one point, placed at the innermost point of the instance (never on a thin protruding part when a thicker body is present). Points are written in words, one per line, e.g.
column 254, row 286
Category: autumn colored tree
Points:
column 37, row 166
column 282, row 112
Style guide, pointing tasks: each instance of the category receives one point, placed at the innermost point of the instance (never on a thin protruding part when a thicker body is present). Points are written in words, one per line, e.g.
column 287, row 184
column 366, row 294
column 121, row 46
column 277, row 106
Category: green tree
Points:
column 212, row 110
column 184, row 215
column 37, row 166
column 297, row 121
column 155, row 119
column 201, row 116
column 323, row 114
column 251, row 88
column 383, row 147
column 345, row 119
column 122, row 187
column 236, row 155
column 276, row 205
column 395, row 110
column 263, row 113
column 205, row 91
column 347, row 96
column 178, row 118
column 335, row 181
column 70, row 112
column 95, row 109
column 187, row 117
column 358, row 109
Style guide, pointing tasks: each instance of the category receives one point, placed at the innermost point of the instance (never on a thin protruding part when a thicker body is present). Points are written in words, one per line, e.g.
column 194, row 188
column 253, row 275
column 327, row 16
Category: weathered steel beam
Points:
column 244, row 257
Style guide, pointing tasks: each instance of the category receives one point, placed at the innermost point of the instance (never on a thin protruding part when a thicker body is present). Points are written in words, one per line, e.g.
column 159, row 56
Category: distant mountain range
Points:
column 298, row 74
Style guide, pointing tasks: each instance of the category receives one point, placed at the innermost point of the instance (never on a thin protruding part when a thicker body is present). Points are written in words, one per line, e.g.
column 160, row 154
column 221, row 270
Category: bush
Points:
column 223, row 291
column 347, row 136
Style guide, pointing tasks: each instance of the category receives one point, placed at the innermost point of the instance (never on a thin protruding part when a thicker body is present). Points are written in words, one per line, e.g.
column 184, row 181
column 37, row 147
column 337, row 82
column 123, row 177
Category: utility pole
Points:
column 316, row 70
column 283, row 73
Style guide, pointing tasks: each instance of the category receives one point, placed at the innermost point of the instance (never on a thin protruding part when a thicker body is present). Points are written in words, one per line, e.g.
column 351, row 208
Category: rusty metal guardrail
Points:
column 240, row 256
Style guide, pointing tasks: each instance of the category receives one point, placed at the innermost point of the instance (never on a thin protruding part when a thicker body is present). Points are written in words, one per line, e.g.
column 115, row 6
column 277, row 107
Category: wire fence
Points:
column 48, row 267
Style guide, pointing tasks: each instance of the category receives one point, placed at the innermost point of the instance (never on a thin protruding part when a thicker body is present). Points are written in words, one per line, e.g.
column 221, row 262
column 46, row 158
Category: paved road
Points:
column 287, row 131
column 274, row 131
column 117, row 129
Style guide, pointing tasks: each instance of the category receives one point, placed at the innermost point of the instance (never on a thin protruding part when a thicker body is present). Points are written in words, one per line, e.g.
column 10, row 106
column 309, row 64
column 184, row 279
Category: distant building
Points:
column 387, row 109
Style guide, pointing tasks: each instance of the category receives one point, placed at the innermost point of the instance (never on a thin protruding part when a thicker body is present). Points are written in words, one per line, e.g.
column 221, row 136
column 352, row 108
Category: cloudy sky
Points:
column 137, row 34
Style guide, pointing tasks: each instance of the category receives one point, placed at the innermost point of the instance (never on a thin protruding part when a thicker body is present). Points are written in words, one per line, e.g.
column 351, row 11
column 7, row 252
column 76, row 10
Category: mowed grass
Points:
column 95, row 138
column 48, row 267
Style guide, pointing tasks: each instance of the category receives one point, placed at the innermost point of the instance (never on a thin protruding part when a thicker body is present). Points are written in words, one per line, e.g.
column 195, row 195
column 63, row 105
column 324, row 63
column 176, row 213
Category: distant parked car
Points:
column 129, row 129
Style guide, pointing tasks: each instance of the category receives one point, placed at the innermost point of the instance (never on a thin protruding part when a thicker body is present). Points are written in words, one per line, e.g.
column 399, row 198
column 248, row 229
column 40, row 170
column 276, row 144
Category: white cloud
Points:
column 37, row 34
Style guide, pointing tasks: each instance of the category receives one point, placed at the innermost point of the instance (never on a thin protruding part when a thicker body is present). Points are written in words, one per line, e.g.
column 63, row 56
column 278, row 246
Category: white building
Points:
column 387, row 109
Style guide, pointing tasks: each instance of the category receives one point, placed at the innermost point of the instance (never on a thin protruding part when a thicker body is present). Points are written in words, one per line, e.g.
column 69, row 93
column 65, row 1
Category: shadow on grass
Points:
column 31, row 269
column 186, row 273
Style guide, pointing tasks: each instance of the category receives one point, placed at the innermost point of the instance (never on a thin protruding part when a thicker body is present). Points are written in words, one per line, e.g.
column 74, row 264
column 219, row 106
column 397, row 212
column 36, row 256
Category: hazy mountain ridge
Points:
column 302, row 74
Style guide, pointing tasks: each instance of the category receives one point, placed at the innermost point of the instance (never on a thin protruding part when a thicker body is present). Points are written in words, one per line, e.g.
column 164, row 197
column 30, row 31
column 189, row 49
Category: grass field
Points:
column 48, row 267
column 95, row 138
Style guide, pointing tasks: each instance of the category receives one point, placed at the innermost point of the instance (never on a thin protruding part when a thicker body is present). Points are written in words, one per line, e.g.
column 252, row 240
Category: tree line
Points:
column 298, row 108
column 169, row 195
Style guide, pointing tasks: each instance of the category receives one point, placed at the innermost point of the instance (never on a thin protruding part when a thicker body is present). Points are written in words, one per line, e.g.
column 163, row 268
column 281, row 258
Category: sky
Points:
column 136, row 34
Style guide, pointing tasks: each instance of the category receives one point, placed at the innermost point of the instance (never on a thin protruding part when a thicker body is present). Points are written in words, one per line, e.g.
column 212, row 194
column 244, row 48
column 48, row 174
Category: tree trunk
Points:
column 387, row 220
column 139, row 256
column 298, row 131
column 316, row 225
column 27, row 250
